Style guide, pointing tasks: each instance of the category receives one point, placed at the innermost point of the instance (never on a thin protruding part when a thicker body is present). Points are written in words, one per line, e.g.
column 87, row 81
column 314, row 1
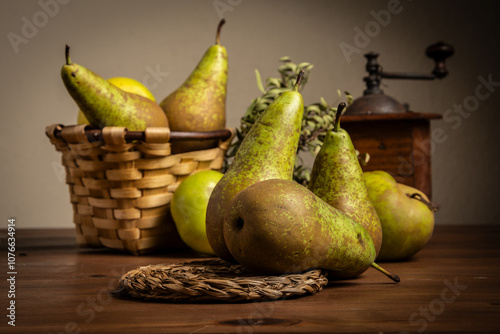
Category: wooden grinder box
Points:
column 398, row 143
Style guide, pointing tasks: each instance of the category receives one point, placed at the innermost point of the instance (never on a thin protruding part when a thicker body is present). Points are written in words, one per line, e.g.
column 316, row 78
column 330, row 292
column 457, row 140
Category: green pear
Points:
column 337, row 178
column 406, row 215
column 279, row 226
column 268, row 151
column 104, row 104
column 199, row 104
column 127, row 84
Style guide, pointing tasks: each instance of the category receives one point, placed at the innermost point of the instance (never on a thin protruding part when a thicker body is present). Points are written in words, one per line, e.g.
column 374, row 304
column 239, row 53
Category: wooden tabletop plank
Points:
column 453, row 285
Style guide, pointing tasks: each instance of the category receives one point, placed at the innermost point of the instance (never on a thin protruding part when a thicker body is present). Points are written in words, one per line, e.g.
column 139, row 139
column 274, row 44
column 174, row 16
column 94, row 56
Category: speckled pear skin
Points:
column 337, row 178
column 126, row 84
column 279, row 226
column 199, row 104
column 407, row 223
column 268, row 151
column 104, row 104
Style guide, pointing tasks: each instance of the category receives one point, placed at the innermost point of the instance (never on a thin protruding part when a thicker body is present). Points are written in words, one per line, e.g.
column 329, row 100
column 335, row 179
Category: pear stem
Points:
column 340, row 108
column 66, row 53
column 217, row 38
column 419, row 197
column 395, row 278
column 299, row 80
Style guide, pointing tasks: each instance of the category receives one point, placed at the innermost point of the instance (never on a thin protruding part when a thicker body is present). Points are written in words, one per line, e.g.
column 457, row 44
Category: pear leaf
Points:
column 259, row 81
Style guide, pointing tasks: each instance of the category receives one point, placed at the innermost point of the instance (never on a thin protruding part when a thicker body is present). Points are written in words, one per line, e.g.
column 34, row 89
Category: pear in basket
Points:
column 104, row 104
column 199, row 104
column 127, row 84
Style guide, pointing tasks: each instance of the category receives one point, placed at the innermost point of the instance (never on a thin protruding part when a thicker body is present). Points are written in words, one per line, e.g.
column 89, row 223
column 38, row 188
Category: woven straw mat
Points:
column 215, row 280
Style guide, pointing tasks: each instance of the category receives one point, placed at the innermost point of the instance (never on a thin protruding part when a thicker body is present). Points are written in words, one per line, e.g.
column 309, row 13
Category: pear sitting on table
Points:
column 268, row 151
column 406, row 215
column 337, row 178
column 279, row 227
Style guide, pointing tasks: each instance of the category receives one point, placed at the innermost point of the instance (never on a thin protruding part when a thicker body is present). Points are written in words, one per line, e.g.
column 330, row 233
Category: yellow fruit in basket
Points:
column 189, row 208
column 127, row 84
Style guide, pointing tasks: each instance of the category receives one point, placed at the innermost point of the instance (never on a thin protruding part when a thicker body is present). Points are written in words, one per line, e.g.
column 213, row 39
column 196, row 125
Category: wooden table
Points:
column 453, row 285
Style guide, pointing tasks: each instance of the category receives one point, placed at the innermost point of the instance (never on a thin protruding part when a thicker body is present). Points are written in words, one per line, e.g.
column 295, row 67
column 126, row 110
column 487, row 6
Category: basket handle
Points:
column 153, row 134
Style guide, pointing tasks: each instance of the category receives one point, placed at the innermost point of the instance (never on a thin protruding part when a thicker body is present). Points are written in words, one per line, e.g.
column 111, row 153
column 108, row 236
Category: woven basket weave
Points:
column 215, row 280
column 121, row 189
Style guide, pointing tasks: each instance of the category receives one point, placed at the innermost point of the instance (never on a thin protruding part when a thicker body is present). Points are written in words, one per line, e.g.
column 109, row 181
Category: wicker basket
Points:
column 121, row 182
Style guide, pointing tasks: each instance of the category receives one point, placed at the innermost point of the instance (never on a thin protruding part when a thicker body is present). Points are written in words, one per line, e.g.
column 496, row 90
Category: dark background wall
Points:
column 138, row 38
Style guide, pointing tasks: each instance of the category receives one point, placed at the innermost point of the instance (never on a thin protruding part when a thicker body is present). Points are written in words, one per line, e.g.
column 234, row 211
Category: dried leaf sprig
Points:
column 289, row 72
column 318, row 117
